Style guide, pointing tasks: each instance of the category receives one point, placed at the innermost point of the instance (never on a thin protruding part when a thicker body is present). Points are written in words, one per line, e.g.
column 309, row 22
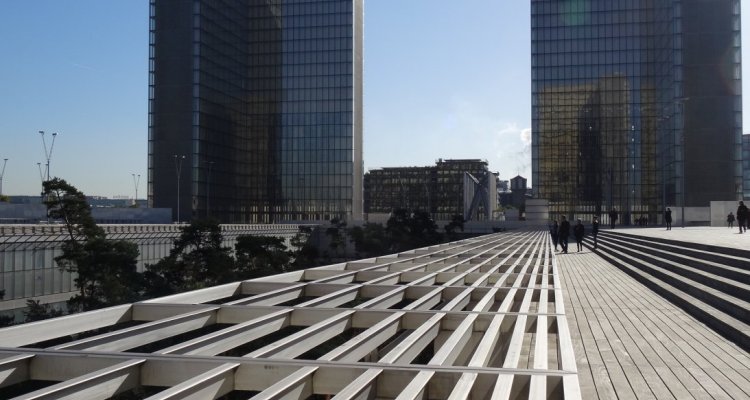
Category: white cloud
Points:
column 526, row 136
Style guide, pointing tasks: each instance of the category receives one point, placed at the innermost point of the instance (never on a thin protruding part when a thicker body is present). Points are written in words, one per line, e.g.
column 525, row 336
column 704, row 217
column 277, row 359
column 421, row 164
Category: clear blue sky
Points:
column 443, row 79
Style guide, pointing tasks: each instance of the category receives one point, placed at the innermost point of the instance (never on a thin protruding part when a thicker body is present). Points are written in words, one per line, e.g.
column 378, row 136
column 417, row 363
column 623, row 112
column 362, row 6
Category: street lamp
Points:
column 47, row 153
column 2, row 173
column 178, row 168
column 135, row 183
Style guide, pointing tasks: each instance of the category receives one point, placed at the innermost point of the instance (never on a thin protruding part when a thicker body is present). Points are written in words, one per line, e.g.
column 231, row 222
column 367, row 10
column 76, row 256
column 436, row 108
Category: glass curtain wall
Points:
column 598, row 90
column 258, row 95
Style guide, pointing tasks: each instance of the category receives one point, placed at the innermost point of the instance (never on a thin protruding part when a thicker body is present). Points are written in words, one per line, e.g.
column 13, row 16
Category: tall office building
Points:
column 636, row 104
column 255, row 109
column 746, row 166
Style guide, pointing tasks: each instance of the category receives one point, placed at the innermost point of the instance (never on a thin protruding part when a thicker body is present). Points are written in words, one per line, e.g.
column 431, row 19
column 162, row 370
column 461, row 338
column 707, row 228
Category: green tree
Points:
column 105, row 269
column 370, row 240
column 260, row 256
column 5, row 320
column 337, row 238
column 457, row 222
column 36, row 311
column 411, row 230
column 303, row 253
column 197, row 260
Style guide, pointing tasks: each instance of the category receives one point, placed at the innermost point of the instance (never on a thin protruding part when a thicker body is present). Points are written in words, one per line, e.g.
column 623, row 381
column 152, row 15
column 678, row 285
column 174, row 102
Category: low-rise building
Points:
column 448, row 188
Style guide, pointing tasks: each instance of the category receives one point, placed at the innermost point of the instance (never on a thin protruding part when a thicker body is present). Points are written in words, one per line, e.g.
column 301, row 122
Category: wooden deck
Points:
column 630, row 343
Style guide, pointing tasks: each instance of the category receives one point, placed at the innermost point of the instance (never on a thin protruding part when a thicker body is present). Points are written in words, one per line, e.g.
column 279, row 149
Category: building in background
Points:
column 450, row 187
column 746, row 166
column 255, row 109
column 636, row 105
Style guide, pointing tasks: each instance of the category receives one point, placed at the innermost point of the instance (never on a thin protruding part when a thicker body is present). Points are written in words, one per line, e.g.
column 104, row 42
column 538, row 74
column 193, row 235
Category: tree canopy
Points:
column 105, row 269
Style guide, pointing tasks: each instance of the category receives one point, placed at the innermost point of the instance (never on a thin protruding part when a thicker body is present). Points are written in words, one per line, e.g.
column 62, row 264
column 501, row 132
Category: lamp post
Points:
column 47, row 153
column 135, row 183
column 178, row 169
column 2, row 173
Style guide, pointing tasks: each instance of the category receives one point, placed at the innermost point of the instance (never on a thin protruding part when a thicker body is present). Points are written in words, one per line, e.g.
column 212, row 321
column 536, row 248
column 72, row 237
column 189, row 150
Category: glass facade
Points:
column 627, row 96
column 264, row 100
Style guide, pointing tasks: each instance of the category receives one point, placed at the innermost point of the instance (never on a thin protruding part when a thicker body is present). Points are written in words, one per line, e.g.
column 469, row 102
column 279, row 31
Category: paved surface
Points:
column 632, row 344
column 716, row 236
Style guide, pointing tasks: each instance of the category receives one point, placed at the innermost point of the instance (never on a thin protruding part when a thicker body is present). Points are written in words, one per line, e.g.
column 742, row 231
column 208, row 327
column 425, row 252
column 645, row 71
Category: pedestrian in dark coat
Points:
column 612, row 218
column 668, row 219
column 595, row 230
column 553, row 232
column 578, row 232
column 742, row 217
column 730, row 220
column 563, row 234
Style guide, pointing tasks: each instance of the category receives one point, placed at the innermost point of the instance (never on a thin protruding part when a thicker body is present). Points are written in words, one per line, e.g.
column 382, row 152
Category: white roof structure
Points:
column 475, row 319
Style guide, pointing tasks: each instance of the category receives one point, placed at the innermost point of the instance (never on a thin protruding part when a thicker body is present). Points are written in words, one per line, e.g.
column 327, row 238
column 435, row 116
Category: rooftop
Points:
column 500, row 316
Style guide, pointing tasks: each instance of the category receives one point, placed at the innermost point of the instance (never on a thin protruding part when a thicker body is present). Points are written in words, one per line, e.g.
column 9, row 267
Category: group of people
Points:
column 561, row 232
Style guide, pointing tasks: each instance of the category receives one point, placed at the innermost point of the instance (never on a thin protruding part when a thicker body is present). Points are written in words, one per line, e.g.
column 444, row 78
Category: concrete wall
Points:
column 720, row 210
column 537, row 210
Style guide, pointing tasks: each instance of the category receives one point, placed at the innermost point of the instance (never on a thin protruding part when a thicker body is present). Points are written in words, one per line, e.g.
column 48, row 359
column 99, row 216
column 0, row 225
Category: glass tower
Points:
column 636, row 105
column 255, row 109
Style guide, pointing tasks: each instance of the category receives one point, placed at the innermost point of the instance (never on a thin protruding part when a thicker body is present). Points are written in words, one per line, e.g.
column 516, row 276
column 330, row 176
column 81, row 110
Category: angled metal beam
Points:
column 132, row 337
column 209, row 385
column 306, row 339
column 100, row 384
column 34, row 332
column 297, row 386
column 231, row 337
column 14, row 369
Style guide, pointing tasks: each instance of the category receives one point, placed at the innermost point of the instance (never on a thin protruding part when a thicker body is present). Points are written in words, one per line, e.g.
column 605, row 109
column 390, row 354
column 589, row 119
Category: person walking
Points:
column 553, row 232
column 668, row 218
column 595, row 230
column 742, row 217
column 563, row 234
column 612, row 218
column 730, row 220
column 578, row 232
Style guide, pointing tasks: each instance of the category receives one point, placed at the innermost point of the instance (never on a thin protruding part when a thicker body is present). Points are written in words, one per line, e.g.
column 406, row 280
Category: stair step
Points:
column 704, row 272
column 737, row 307
column 718, row 264
column 723, row 323
column 737, row 258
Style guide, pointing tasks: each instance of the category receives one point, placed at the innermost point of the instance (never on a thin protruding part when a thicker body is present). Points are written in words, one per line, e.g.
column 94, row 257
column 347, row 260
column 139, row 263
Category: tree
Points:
column 5, row 320
column 304, row 254
column 37, row 311
column 411, row 230
column 197, row 260
column 260, row 256
column 457, row 222
column 370, row 240
column 336, row 233
column 105, row 269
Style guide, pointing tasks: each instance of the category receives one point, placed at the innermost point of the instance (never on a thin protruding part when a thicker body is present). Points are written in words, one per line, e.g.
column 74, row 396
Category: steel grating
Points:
column 475, row 319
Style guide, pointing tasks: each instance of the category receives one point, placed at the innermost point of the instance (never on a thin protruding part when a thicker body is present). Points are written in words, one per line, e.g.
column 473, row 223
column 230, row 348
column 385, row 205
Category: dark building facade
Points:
column 636, row 104
column 746, row 166
column 444, row 189
column 255, row 109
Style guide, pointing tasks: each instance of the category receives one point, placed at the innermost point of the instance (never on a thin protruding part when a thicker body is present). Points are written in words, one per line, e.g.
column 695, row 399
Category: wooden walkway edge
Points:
column 632, row 344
